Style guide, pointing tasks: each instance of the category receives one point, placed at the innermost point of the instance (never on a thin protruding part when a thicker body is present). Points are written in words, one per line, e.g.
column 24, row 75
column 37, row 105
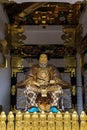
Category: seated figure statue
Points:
column 44, row 86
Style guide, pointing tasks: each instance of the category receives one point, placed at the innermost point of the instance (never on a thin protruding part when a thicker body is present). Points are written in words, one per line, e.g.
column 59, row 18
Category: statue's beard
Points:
column 43, row 65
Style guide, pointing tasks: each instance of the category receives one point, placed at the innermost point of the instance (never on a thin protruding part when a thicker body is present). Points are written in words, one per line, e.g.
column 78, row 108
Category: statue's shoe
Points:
column 54, row 109
column 33, row 109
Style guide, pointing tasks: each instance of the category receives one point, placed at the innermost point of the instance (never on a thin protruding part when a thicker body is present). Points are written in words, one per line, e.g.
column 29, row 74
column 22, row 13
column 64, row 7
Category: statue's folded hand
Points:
column 52, row 82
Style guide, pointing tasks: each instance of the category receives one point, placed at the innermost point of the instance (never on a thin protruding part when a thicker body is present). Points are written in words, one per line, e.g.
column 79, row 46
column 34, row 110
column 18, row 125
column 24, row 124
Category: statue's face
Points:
column 43, row 60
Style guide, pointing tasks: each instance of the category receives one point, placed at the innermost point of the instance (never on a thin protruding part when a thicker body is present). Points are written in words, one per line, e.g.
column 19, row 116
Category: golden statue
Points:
column 43, row 85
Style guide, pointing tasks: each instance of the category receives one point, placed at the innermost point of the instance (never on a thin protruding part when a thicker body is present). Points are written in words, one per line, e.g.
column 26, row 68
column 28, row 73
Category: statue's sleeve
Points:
column 31, row 74
column 30, row 77
column 55, row 74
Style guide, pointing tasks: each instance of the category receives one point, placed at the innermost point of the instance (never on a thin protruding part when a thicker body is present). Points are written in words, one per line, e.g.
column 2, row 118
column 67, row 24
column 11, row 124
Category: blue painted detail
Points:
column 54, row 109
column 33, row 109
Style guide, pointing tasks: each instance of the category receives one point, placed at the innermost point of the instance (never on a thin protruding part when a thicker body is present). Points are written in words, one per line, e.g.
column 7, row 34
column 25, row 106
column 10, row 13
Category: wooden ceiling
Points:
column 44, row 13
column 50, row 13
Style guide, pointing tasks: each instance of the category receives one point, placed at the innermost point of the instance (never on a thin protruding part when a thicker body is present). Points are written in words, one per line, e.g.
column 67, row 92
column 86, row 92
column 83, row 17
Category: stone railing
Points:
column 43, row 121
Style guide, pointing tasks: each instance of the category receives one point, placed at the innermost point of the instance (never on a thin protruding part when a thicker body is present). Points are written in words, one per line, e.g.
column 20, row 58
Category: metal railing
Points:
column 43, row 121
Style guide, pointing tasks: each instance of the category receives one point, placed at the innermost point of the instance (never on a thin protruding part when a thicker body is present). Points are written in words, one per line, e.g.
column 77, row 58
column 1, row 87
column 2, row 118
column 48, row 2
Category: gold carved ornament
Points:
column 3, row 53
column 13, row 90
